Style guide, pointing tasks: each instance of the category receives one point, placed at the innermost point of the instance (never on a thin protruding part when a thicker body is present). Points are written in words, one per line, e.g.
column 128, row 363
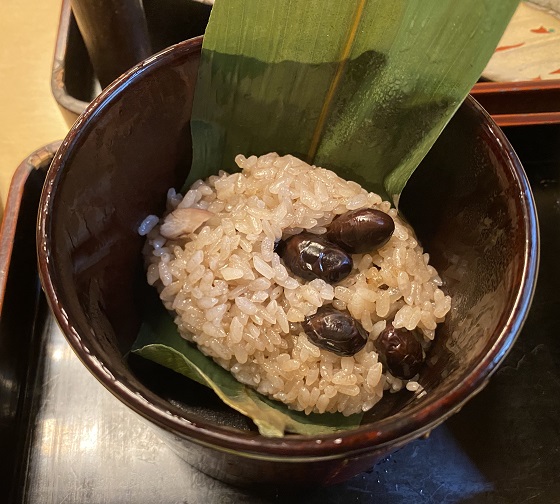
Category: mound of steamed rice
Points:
column 234, row 298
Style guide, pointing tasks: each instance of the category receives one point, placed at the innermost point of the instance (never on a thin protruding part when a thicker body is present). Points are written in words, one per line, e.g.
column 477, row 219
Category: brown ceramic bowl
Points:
column 470, row 203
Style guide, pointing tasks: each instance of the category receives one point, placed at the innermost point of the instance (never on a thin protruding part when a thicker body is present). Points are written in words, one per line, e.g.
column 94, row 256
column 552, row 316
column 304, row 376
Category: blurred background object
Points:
column 530, row 47
column 75, row 84
column 115, row 34
column 74, row 81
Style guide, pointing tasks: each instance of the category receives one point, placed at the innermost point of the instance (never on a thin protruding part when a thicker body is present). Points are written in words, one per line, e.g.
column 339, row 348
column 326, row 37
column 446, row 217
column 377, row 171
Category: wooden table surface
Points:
column 29, row 116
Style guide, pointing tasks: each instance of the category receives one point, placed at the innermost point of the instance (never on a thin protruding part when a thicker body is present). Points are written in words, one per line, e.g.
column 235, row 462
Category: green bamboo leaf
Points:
column 159, row 341
column 363, row 87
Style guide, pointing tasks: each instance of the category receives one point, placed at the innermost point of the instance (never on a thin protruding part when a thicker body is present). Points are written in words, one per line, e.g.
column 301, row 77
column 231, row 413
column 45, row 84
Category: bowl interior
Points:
column 468, row 201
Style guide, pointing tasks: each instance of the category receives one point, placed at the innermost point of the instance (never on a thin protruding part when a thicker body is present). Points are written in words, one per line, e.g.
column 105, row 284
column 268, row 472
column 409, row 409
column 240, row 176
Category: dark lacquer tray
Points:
column 64, row 438
column 520, row 103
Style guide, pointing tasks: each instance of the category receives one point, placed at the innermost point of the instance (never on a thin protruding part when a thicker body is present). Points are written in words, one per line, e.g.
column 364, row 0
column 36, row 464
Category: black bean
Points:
column 335, row 331
column 360, row 231
column 309, row 256
column 400, row 351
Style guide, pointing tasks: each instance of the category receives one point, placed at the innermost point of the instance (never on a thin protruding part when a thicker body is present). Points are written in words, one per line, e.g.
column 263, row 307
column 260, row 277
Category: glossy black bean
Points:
column 335, row 331
column 309, row 256
column 360, row 231
column 400, row 351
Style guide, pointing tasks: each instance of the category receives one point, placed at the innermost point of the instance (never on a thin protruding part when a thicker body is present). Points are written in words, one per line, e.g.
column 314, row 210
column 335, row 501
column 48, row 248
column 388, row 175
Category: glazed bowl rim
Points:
column 430, row 412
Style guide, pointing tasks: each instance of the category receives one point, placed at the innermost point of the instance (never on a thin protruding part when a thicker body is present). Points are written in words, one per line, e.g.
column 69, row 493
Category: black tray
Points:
column 64, row 438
